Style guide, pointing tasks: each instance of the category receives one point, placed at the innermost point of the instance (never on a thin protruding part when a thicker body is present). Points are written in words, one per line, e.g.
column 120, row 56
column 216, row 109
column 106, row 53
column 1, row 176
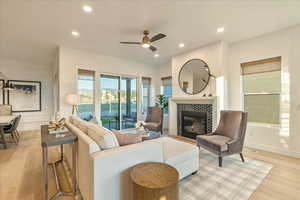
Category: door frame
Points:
column 138, row 89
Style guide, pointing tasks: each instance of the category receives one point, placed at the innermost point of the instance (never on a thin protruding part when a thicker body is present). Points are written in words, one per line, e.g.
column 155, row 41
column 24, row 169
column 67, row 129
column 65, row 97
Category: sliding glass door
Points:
column 110, row 101
column 118, row 101
column 128, row 101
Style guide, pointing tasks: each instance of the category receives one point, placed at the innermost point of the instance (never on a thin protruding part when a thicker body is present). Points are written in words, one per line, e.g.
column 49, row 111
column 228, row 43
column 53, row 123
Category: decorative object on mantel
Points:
column 73, row 100
column 194, row 76
column 26, row 96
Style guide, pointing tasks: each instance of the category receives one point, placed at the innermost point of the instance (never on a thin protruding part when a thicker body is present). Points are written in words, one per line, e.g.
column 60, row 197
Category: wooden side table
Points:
column 50, row 140
column 154, row 181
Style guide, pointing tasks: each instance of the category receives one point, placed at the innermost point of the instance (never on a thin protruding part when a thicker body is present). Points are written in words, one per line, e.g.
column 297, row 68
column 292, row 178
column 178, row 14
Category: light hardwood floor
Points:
column 21, row 172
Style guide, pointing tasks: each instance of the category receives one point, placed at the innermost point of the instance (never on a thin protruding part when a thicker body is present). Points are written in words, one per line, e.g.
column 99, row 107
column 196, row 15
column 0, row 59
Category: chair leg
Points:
column 16, row 135
column 14, row 138
column 220, row 161
column 242, row 157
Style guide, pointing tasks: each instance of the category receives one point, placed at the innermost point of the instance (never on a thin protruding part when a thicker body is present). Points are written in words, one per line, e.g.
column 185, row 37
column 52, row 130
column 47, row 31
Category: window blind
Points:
column 166, row 80
column 86, row 74
column 146, row 80
column 261, row 66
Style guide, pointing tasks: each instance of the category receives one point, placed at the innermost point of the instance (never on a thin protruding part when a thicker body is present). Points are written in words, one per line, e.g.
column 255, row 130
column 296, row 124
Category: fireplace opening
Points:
column 193, row 124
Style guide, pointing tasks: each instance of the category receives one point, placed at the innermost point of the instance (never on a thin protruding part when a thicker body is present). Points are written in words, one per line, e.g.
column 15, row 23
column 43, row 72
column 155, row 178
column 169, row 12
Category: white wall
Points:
column 164, row 70
column 19, row 70
column 70, row 60
column 285, row 43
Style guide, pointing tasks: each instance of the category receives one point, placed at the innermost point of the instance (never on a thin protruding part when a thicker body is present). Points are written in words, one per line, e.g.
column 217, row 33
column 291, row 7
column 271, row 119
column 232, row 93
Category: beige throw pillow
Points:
column 79, row 123
column 103, row 137
column 127, row 138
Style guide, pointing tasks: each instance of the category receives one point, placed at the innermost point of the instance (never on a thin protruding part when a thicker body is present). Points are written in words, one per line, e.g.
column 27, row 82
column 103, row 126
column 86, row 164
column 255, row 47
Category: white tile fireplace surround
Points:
column 175, row 101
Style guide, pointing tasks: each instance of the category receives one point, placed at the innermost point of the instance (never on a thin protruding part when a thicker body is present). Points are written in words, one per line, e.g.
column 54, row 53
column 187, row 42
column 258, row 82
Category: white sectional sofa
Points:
column 104, row 174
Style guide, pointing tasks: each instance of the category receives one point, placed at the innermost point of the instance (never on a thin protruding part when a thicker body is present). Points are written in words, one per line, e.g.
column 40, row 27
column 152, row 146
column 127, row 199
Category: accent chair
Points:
column 229, row 137
column 154, row 119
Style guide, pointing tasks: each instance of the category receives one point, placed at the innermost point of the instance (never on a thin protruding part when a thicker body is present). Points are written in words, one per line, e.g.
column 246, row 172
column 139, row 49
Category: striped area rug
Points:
column 234, row 181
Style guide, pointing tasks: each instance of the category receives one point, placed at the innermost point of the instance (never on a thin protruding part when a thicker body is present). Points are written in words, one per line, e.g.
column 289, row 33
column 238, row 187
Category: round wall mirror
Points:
column 194, row 76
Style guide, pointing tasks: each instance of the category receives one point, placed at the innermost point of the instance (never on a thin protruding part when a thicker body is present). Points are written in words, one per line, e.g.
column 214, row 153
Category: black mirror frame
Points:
column 209, row 75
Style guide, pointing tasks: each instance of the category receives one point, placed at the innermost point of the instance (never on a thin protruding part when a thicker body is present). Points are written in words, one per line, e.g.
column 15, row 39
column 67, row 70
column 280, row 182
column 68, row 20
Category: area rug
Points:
column 234, row 181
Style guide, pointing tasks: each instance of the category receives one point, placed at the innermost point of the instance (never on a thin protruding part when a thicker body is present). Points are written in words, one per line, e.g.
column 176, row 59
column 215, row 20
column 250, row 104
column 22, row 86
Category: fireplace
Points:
column 193, row 124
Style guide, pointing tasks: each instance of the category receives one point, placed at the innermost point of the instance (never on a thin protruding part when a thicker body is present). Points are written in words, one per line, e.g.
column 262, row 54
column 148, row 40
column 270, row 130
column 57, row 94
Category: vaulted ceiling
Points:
column 31, row 30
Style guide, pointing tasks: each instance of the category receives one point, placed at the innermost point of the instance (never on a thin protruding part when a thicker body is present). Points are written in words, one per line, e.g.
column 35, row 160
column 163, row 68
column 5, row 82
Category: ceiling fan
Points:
column 146, row 41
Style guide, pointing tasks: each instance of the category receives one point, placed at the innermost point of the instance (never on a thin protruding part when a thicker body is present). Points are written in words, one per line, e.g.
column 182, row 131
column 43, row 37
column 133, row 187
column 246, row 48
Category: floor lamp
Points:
column 73, row 100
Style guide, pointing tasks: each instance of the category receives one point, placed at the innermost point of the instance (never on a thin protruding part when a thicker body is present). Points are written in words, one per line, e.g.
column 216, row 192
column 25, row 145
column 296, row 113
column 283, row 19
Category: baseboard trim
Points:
column 274, row 150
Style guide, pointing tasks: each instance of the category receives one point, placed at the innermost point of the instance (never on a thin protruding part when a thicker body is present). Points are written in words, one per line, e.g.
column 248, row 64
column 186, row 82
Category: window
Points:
column 167, row 89
column 261, row 88
column 146, row 87
column 86, row 93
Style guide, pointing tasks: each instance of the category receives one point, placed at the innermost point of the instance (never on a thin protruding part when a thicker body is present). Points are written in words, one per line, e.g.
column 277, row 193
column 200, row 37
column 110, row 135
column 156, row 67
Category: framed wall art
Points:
column 26, row 96
column 1, row 92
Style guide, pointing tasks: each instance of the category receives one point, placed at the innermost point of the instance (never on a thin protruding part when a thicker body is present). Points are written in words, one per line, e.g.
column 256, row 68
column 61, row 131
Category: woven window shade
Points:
column 261, row 66
column 86, row 74
column 146, row 80
column 166, row 80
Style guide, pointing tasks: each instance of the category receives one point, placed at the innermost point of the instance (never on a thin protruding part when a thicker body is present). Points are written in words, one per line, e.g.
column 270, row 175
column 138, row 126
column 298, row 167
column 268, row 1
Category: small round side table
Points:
column 154, row 181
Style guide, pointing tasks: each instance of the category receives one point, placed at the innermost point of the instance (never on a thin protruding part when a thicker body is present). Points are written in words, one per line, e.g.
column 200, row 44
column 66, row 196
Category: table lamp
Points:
column 73, row 100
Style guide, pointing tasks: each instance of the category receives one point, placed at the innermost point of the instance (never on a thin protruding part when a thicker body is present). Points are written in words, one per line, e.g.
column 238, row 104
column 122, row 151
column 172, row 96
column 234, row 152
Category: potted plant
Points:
column 162, row 101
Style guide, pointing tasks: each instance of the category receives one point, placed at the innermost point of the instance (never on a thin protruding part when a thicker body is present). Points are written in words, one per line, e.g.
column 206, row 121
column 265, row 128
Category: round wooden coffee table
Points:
column 154, row 181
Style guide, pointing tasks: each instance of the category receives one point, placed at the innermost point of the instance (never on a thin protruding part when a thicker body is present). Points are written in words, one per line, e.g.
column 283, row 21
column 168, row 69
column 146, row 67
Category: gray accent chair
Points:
column 154, row 119
column 5, row 109
column 229, row 137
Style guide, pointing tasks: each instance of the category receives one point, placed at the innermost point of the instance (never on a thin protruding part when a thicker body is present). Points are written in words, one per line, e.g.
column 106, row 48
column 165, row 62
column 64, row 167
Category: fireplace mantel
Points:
column 174, row 101
column 193, row 100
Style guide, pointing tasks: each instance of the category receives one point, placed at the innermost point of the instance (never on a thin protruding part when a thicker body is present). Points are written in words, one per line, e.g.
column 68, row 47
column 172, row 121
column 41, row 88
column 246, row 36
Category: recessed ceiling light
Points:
column 181, row 45
column 220, row 30
column 87, row 8
column 75, row 33
column 156, row 55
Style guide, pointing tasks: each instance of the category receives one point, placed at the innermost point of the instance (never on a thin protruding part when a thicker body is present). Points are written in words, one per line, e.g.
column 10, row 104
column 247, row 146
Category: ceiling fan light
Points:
column 146, row 45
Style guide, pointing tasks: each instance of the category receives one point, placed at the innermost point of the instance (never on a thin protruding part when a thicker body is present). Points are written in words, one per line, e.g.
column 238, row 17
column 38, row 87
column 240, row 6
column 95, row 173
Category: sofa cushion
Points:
column 176, row 152
column 127, row 138
column 103, row 137
column 215, row 142
column 81, row 124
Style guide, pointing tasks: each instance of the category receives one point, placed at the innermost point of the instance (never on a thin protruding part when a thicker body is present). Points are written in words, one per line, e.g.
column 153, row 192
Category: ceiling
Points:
column 31, row 30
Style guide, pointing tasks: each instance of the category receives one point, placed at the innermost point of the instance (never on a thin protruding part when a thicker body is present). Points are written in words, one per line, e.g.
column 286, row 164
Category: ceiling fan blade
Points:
column 130, row 43
column 157, row 37
column 152, row 48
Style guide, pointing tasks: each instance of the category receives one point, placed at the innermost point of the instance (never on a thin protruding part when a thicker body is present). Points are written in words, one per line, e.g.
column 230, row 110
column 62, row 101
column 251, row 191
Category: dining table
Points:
column 5, row 120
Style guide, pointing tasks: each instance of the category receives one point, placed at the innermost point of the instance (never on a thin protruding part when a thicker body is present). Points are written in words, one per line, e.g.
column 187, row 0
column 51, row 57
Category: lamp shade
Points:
column 72, row 99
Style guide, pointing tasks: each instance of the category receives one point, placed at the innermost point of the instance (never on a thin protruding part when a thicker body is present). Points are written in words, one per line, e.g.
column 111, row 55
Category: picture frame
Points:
column 2, row 96
column 26, row 97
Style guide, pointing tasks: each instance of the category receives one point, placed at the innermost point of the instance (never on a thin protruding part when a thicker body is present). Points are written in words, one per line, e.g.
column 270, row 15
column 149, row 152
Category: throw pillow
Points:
column 103, row 137
column 81, row 124
column 127, row 138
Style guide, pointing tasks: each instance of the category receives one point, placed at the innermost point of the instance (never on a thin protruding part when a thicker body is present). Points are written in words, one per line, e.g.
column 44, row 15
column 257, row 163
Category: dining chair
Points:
column 5, row 109
column 12, row 129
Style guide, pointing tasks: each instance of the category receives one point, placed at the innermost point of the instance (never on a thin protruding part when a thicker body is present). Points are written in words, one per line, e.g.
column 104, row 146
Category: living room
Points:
column 230, row 132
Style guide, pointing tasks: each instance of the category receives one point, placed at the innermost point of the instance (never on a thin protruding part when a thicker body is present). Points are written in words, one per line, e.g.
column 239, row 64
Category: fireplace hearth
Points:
column 193, row 124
